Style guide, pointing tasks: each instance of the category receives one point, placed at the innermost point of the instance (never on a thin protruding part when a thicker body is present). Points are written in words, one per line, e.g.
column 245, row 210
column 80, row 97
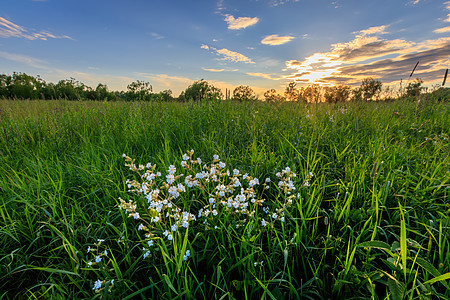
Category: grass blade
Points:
column 403, row 246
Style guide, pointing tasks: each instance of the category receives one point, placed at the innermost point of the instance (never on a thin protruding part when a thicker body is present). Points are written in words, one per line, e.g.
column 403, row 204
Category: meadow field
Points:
column 224, row 200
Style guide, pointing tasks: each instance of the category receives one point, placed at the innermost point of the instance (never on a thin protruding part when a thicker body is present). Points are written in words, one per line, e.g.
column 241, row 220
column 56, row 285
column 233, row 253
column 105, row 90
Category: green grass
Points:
column 373, row 221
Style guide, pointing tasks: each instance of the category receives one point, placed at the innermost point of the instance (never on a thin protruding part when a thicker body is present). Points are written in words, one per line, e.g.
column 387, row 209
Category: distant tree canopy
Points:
column 370, row 89
column 413, row 89
column 272, row 96
column 244, row 93
column 201, row 90
column 338, row 93
column 22, row 86
column 291, row 92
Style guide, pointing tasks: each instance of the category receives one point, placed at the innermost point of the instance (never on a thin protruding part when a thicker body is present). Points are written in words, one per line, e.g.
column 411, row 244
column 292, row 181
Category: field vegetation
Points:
column 225, row 199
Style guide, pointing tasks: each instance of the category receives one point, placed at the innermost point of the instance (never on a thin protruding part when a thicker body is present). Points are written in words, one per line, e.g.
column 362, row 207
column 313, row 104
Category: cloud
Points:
column 373, row 30
column 234, row 56
column 28, row 60
column 163, row 82
column 220, row 6
column 241, row 22
column 414, row 2
column 367, row 55
column 214, row 70
column 442, row 30
column 229, row 55
column 275, row 39
column 9, row 29
column 447, row 6
column 263, row 75
column 336, row 4
column 156, row 36
column 280, row 2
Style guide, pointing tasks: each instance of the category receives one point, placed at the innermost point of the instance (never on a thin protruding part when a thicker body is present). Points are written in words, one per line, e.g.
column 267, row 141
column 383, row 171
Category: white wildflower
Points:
column 97, row 284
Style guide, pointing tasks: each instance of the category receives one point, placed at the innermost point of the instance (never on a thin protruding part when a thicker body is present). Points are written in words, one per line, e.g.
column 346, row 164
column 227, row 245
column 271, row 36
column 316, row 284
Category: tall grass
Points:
column 372, row 221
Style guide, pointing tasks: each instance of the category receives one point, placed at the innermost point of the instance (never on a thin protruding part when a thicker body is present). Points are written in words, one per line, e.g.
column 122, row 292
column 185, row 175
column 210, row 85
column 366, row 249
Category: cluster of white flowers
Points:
column 97, row 253
column 308, row 178
column 286, row 183
column 186, row 254
column 230, row 193
column 98, row 285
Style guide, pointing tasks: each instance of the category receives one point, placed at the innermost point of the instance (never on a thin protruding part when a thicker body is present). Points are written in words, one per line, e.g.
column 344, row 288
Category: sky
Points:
column 264, row 44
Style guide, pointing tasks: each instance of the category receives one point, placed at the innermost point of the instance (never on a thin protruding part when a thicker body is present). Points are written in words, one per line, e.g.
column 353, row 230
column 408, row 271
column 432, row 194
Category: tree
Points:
column 413, row 89
column 291, row 93
column 164, row 96
column 244, row 93
column 338, row 93
column 272, row 96
column 370, row 89
column 139, row 91
column 202, row 90
column 101, row 92
column 312, row 93
column 23, row 86
column 70, row 89
column 5, row 86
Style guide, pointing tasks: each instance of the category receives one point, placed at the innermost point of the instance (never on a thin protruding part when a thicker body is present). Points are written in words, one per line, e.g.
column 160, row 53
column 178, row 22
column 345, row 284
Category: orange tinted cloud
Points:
column 275, row 39
column 241, row 22
column 229, row 55
column 368, row 55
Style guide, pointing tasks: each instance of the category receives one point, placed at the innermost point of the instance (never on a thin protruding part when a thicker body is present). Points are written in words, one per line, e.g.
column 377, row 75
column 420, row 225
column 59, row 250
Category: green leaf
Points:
column 396, row 288
column 377, row 245
column 439, row 278
column 403, row 248
column 167, row 280
column 427, row 266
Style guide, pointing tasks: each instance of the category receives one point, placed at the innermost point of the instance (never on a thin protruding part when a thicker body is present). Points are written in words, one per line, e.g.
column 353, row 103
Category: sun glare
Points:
column 315, row 68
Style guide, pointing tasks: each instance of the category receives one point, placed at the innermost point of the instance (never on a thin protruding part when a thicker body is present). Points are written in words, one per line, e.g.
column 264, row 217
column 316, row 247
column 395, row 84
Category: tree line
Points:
column 22, row 86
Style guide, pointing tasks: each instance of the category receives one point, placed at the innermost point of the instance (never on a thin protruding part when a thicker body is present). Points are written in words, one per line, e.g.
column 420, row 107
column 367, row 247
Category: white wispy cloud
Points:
column 280, row 2
column 241, row 22
column 275, row 39
column 9, row 29
column 27, row 60
column 219, row 6
column 157, row 36
column 229, row 55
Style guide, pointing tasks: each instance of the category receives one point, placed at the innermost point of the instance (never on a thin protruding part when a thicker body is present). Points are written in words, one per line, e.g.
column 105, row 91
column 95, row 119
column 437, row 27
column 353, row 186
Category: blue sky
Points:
column 261, row 43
